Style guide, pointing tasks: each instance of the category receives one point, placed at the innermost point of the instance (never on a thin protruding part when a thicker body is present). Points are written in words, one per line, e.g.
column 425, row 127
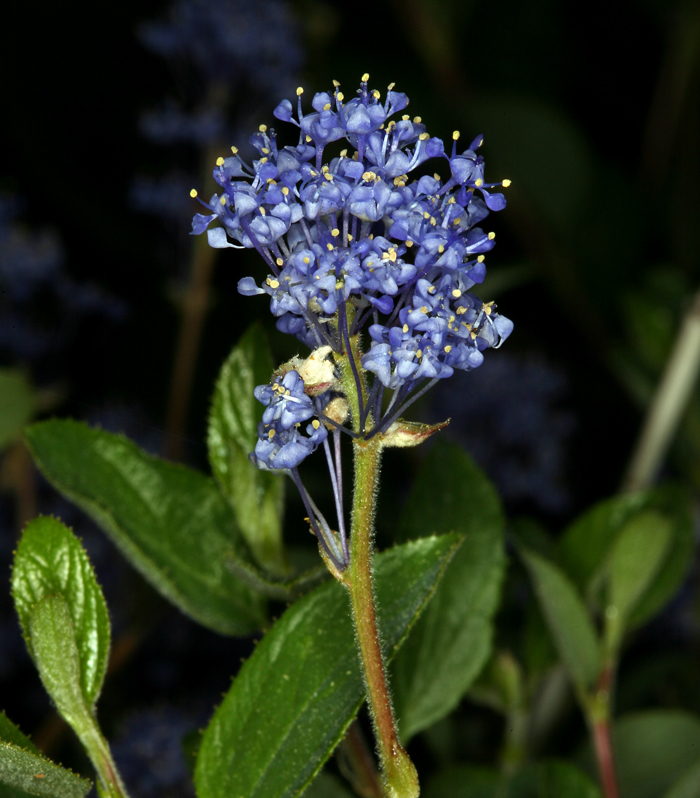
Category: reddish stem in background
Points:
column 602, row 743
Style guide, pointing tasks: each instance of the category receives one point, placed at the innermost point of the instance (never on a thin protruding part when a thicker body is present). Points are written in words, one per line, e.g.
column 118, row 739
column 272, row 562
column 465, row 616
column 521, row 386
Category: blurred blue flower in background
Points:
column 509, row 416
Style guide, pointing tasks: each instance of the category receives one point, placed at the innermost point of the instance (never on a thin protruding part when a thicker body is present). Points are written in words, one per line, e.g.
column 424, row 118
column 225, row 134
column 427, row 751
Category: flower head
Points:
column 354, row 229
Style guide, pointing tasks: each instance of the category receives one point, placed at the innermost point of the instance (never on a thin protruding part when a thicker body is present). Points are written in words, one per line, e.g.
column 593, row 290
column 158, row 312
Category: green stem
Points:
column 110, row 783
column 668, row 405
column 399, row 774
column 597, row 710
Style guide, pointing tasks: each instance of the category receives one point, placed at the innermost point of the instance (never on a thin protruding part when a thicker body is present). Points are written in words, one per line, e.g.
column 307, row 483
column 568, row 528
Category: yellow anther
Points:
column 349, row 237
column 419, row 353
column 272, row 282
column 441, row 248
column 300, row 91
column 424, row 309
column 457, row 221
column 265, row 151
column 307, row 260
column 390, row 87
column 271, row 434
column 219, row 161
column 481, row 258
column 285, row 190
column 365, row 77
column 367, row 176
column 491, row 236
column 488, row 307
column 451, row 319
column 426, row 215
column 451, row 200
column 336, row 84
column 309, row 139
column 327, row 107
column 423, row 136
column 234, row 150
column 409, row 243
column 404, row 328
column 335, row 232
column 262, row 128
column 223, row 200
column 405, row 117
column 418, row 119
column 478, row 182
column 433, row 221
column 325, row 168
column 262, row 211
column 448, row 348
column 343, row 153
column 376, row 94
column 329, row 247
column 432, row 289
column 315, row 423
column 437, row 177
column 460, row 311
column 263, row 160
column 455, row 135
column 456, row 293
column 355, row 155
column 193, row 193
column 340, row 96
column 505, row 183
column 339, row 284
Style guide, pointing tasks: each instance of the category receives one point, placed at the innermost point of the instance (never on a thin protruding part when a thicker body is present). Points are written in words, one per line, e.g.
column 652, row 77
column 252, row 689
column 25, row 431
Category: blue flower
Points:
column 281, row 444
column 354, row 238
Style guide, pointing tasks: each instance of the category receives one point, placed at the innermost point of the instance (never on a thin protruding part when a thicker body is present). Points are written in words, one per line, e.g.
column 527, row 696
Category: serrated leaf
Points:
column 567, row 618
column 452, row 640
column 23, row 772
column 171, row 522
column 9, row 733
column 256, row 496
column 50, row 560
column 636, row 558
column 16, row 404
column 294, row 698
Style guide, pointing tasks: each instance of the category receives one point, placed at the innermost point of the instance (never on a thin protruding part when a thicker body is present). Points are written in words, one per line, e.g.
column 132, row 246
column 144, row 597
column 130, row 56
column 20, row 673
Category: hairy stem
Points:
column 399, row 774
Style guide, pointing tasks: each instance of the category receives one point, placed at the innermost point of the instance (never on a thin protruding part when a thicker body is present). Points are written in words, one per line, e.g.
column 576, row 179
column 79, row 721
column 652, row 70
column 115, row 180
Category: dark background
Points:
column 592, row 110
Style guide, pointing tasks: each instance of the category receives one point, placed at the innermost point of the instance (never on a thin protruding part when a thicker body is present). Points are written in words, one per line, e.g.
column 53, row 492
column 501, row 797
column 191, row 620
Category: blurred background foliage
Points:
column 592, row 111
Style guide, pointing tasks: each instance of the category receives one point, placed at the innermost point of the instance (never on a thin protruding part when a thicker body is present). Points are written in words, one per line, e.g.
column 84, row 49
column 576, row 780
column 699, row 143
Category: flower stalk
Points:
column 398, row 772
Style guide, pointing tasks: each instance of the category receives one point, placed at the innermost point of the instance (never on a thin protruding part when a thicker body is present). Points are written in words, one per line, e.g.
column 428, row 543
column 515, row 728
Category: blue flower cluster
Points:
column 356, row 238
column 281, row 444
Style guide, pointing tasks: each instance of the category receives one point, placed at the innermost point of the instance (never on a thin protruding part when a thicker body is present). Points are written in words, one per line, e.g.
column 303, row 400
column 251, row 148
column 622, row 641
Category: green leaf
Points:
column 637, row 555
column 452, row 640
column 463, row 781
column 294, row 698
column 688, row 785
column 325, row 785
column 653, row 750
column 9, row 733
column 50, row 561
column 256, row 496
column 587, row 544
column 171, row 522
column 24, row 772
column 567, row 618
column 16, row 404
column 52, row 640
column 552, row 780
